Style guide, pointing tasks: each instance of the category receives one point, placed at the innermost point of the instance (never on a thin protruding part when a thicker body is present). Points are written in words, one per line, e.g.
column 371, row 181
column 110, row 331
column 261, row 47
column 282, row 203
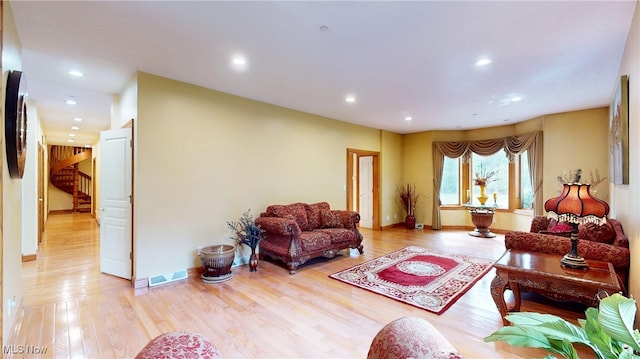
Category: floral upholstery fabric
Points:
column 331, row 219
column 338, row 235
column 314, row 214
column 606, row 233
column 411, row 337
column 296, row 210
column 327, row 232
column 175, row 345
column 314, row 240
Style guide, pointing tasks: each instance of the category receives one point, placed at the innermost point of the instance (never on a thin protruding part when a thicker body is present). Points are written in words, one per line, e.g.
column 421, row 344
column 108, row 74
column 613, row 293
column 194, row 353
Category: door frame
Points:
column 355, row 153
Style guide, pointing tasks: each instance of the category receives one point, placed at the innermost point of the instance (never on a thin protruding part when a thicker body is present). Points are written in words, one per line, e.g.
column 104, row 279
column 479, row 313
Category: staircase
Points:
column 65, row 174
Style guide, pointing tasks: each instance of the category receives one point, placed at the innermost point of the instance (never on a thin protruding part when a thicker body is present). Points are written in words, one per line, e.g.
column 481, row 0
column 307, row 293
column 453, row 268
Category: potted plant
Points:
column 607, row 331
column 408, row 199
column 248, row 233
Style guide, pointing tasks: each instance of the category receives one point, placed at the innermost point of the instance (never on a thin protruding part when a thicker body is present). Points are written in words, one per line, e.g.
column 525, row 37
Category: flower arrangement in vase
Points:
column 408, row 198
column 482, row 179
column 247, row 232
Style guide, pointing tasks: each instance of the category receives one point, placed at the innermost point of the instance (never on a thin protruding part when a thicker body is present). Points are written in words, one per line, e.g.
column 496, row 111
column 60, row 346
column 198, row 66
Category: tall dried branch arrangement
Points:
column 408, row 198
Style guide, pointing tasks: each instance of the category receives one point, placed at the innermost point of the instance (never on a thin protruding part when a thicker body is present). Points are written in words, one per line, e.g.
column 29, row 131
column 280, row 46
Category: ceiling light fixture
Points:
column 76, row 73
column 77, row 119
column 75, row 128
column 239, row 61
column 516, row 99
column 408, row 118
column 70, row 141
column 350, row 99
column 72, row 135
column 70, row 101
column 483, row 62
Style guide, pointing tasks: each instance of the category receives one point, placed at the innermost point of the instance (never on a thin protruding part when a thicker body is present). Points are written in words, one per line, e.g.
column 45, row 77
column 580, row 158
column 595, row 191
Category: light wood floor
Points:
column 71, row 310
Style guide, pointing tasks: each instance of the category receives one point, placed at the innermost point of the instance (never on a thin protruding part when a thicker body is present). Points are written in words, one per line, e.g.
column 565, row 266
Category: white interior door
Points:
column 115, row 200
column 365, row 196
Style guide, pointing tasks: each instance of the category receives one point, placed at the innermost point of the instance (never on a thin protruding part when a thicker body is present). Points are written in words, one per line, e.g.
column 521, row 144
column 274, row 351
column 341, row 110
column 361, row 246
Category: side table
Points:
column 481, row 216
column 543, row 273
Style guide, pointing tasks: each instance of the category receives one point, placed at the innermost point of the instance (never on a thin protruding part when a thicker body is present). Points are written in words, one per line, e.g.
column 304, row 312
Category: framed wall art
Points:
column 619, row 133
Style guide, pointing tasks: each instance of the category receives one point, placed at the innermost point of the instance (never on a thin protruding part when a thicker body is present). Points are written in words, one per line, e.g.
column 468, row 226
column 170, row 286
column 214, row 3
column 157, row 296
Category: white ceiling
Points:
column 398, row 58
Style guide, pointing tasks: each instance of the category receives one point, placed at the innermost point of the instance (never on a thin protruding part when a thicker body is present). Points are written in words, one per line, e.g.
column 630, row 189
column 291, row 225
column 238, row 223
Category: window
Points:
column 499, row 189
column 526, row 190
column 450, row 187
column 512, row 188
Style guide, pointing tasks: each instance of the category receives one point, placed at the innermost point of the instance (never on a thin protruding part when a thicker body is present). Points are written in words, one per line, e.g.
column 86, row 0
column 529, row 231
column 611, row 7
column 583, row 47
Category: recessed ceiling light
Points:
column 70, row 101
column 70, row 141
column 87, row 146
column 77, row 119
column 350, row 99
column 239, row 61
column 483, row 62
column 72, row 135
column 75, row 128
column 408, row 118
column 516, row 99
column 76, row 73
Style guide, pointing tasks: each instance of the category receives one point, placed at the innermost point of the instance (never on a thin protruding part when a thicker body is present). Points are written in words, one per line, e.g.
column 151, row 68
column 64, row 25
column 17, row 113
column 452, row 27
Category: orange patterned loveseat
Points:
column 297, row 232
column 606, row 243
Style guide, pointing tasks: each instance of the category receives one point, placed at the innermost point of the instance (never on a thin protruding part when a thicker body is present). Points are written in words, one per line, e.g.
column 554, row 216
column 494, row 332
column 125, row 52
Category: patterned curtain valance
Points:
column 512, row 145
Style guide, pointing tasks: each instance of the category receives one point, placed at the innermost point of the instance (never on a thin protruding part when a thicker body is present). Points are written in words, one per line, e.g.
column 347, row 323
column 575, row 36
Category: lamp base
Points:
column 575, row 262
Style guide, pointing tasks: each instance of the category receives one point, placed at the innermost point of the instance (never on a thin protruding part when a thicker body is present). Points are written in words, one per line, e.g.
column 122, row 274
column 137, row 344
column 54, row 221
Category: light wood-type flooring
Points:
column 71, row 310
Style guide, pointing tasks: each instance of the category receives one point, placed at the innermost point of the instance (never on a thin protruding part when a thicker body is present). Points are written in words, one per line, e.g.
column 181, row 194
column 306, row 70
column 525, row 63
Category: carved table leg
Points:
column 498, row 286
column 515, row 288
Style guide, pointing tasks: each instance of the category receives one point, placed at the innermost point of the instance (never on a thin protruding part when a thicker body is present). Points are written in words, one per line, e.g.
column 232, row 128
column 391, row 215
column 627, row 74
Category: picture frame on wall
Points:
column 619, row 133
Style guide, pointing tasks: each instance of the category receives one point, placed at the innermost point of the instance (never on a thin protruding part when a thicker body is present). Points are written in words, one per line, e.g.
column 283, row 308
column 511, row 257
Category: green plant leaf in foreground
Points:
column 550, row 325
column 616, row 316
column 526, row 337
column 609, row 349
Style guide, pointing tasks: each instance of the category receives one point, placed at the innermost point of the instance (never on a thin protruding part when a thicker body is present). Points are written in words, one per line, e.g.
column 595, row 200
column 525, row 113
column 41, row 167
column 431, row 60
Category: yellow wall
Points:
column 203, row 157
column 11, row 191
column 624, row 198
column 572, row 140
column 391, row 173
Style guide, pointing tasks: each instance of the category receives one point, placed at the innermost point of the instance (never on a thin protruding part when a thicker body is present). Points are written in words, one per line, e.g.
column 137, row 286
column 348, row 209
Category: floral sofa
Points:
column 606, row 243
column 297, row 232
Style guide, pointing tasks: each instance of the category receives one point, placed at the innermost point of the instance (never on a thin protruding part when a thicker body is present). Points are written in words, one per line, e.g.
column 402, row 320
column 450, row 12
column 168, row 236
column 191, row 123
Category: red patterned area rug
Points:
column 421, row 277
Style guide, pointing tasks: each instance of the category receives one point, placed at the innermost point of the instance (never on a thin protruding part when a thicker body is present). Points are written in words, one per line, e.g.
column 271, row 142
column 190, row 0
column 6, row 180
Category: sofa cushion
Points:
column 597, row 233
column 296, row 210
column 314, row 241
column 314, row 216
column 558, row 227
column 330, row 219
column 338, row 235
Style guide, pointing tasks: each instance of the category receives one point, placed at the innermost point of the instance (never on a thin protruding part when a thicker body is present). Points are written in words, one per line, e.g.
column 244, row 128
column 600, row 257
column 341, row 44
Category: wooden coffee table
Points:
column 542, row 272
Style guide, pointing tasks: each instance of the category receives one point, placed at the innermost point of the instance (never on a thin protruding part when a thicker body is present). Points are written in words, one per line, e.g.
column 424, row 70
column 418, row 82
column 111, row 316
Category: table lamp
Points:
column 576, row 206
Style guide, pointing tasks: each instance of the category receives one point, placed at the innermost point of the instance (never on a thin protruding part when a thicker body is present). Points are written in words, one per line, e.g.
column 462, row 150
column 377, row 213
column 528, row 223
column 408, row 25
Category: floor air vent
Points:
column 167, row 278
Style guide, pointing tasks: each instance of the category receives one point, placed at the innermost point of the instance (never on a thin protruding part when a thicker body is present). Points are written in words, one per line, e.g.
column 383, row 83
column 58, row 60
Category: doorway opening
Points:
column 363, row 186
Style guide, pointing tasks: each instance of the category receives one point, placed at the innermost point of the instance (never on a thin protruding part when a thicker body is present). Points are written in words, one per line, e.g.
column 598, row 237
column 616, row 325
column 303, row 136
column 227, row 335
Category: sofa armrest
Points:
column 281, row 226
column 546, row 243
column 348, row 219
column 621, row 239
column 539, row 223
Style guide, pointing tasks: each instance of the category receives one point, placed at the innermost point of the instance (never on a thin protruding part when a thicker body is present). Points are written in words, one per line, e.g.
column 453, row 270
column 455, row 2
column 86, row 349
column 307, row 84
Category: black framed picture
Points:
column 15, row 123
